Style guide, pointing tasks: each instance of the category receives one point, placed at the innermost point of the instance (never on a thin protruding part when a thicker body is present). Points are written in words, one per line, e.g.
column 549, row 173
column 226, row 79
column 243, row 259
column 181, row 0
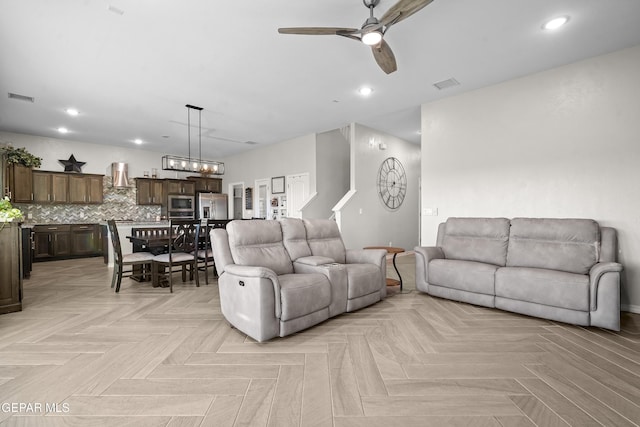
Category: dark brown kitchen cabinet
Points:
column 180, row 186
column 150, row 191
column 10, row 268
column 86, row 189
column 86, row 239
column 50, row 187
column 209, row 185
column 60, row 241
column 51, row 241
column 20, row 180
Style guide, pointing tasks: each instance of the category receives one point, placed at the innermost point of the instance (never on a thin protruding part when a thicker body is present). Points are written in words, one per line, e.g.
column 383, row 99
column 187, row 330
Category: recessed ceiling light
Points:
column 137, row 141
column 555, row 23
column 72, row 111
column 63, row 130
column 365, row 91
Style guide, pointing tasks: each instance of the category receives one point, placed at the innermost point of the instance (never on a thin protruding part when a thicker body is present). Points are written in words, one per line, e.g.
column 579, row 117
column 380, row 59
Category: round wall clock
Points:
column 392, row 183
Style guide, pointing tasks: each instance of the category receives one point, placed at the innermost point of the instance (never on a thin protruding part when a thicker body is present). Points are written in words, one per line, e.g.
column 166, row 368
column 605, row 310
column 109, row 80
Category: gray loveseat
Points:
column 559, row 269
column 279, row 277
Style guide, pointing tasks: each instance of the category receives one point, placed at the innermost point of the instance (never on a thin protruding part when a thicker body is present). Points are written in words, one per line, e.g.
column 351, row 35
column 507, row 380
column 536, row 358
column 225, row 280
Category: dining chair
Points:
column 121, row 261
column 205, row 252
column 181, row 253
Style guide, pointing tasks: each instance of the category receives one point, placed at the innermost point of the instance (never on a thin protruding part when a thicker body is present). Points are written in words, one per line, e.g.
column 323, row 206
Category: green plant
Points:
column 21, row 156
column 8, row 213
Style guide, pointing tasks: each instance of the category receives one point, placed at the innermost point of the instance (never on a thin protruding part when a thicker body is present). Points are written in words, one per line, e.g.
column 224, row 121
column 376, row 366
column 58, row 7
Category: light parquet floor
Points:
column 145, row 357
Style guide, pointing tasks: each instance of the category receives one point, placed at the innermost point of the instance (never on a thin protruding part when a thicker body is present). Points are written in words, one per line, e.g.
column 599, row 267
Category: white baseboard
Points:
column 630, row 308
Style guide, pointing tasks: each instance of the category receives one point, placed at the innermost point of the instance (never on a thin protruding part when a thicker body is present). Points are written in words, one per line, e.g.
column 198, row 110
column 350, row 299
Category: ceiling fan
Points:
column 372, row 31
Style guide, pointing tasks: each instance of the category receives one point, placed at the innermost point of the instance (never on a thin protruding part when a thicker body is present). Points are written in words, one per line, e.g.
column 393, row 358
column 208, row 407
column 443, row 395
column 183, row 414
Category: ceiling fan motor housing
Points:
column 370, row 21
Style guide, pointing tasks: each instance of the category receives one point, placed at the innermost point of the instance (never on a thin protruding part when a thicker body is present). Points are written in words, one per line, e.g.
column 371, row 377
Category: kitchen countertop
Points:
column 119, row 223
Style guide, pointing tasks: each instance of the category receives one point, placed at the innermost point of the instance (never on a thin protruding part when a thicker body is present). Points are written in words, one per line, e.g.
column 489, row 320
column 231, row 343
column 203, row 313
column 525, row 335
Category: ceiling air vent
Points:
column 21, row 97
column 444, row 84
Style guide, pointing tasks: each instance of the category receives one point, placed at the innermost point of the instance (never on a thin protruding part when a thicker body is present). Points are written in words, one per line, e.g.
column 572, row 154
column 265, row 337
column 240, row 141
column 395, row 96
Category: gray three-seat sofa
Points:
column 558, row 269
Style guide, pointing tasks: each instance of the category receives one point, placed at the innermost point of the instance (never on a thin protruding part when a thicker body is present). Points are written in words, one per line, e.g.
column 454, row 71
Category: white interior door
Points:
column 236, row 202
column 297, row 194
column 261, row 202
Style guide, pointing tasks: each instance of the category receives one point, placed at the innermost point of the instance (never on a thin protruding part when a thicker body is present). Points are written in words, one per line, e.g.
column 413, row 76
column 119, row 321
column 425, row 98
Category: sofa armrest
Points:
column 595, row 274
column 246, row 271
column 424, row 254
column 367, row 256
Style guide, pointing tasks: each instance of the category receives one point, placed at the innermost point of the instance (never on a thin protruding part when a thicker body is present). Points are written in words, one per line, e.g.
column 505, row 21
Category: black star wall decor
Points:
column 72, row 165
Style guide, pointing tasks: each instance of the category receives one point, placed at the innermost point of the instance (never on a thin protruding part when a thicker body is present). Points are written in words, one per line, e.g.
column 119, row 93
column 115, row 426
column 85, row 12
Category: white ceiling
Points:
column 131, row 74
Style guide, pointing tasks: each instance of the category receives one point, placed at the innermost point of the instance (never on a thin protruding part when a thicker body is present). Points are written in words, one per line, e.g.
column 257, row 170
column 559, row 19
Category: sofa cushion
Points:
column 547, row 287
column 362, row 279
column 294, row 237
column 303, row 294
column 259, row 243
column 570, row 245
column 324, row 239
column 467, row 276
column 476, row 239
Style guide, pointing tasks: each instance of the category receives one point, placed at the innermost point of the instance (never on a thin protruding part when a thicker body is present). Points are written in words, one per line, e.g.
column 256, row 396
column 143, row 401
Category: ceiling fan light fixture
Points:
column 372, row 38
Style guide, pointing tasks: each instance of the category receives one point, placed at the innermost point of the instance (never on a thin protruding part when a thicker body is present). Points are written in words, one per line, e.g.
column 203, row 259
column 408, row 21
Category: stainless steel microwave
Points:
column 178, row 203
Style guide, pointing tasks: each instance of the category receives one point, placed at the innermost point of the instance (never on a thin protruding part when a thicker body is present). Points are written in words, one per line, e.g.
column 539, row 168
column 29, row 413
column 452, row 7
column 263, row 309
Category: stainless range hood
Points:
column 119, row 173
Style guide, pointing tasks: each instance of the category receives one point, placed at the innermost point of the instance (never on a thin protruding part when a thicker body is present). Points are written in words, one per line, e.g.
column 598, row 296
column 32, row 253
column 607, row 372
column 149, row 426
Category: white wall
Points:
column 291, row 157
column 365, row 221
column 560, row 143
column 98, row 157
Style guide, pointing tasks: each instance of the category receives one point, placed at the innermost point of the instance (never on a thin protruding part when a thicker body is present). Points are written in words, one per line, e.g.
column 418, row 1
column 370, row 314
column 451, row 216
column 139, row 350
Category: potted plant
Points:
column 21, row 156
column 8, row 213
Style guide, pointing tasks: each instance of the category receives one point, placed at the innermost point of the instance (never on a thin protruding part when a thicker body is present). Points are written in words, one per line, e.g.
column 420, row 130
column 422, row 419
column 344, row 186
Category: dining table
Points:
column 157, row 240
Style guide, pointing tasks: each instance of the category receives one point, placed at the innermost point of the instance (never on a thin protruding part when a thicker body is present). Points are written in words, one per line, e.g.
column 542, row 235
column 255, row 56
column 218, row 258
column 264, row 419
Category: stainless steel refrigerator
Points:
column 212, row 205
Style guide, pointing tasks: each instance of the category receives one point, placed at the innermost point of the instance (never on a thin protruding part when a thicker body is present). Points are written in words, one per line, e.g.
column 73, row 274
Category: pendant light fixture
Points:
column 192, row 164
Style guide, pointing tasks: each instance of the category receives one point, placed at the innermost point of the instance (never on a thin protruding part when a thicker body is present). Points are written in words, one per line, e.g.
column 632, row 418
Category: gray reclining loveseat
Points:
column 559, row 269
column 279, row 277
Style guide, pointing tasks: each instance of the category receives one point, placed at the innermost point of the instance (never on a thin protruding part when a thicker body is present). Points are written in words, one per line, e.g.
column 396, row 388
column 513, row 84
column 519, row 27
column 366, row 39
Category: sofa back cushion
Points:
column 476, row 239
column 259, row 243
column 325, row 240
column 571, row 245
column 220, row 247
column 294, row 237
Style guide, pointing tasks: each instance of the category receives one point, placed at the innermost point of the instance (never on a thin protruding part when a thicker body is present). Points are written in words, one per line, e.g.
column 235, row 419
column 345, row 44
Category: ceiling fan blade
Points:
column 384, row 57
column 312, row 31
column 402, row 10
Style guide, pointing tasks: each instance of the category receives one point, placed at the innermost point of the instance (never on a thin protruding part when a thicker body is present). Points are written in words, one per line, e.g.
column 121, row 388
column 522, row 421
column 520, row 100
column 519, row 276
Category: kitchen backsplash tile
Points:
column 119, row 204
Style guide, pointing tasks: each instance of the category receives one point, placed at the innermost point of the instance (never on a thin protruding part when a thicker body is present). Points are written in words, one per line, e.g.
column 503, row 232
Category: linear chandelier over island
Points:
column 190, row 164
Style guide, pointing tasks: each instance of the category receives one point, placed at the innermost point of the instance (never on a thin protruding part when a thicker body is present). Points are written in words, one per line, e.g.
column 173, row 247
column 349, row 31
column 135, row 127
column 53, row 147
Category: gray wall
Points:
column 560, row 143
column 365, row 220
column 332, row 173
column 294, row 156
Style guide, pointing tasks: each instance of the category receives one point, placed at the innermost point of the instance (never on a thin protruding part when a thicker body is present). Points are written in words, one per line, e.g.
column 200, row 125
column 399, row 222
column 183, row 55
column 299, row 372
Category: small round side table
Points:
column 395, row 251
